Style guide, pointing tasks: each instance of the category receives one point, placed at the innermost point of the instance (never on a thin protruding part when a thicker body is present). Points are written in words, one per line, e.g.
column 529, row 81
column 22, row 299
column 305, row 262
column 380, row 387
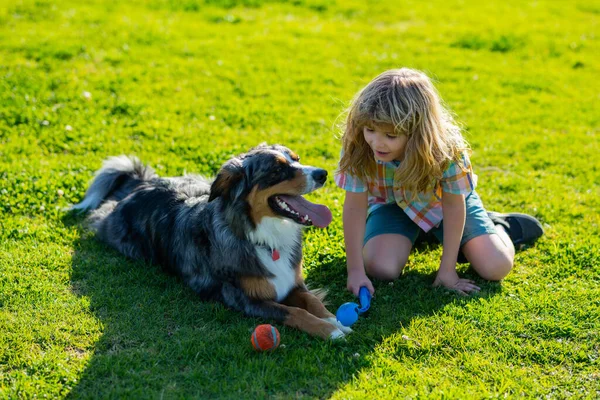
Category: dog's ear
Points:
column 228, row 179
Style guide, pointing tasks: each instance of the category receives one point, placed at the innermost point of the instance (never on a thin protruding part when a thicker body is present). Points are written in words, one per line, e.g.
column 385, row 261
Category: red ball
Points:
column 265, row 337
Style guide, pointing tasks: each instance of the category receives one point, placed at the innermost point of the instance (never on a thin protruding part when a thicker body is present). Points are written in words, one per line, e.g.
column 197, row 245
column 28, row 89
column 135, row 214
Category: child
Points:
column 405, row 168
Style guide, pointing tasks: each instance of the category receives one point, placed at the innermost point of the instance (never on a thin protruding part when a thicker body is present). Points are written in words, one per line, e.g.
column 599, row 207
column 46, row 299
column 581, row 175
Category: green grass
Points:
column 186, row 84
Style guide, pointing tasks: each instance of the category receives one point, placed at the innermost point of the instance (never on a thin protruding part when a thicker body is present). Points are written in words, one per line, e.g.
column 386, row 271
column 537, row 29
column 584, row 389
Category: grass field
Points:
column 186, row 84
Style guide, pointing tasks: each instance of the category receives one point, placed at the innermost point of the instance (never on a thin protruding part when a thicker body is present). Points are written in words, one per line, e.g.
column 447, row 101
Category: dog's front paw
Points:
column 336, row 334
column 332, row 320
column 347, row 330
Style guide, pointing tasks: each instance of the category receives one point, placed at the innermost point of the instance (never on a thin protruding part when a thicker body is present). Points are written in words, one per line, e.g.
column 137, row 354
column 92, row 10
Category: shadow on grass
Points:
column 158, row 340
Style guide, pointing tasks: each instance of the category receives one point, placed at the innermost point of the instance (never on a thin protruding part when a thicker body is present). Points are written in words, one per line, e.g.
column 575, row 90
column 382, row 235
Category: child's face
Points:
column 386, row 145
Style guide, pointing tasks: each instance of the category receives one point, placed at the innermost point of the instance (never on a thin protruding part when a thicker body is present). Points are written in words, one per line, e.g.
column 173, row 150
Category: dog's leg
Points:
column 301, row 297
column 295, row 317
column 301, row 319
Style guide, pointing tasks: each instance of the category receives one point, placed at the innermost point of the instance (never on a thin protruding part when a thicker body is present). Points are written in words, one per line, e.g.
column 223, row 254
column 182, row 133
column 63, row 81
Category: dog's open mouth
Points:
column 300, row 210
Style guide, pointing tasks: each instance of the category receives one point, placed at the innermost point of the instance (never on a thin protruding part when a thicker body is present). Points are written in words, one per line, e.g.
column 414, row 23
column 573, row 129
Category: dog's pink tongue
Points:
column 318, row 213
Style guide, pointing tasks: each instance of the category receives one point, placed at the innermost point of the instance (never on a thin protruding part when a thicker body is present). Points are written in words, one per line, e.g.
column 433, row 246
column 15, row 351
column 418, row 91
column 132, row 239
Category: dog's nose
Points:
column 320, row 175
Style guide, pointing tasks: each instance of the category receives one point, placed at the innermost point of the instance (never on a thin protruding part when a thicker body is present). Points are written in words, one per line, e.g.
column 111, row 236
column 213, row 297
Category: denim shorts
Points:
column 392, row 219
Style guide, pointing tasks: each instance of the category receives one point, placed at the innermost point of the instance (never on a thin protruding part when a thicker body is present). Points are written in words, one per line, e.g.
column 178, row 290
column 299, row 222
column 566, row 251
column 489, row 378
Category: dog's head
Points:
column 269, row 181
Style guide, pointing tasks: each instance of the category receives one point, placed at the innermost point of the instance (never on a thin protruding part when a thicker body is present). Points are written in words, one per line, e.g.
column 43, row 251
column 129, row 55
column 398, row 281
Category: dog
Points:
column 236, row 238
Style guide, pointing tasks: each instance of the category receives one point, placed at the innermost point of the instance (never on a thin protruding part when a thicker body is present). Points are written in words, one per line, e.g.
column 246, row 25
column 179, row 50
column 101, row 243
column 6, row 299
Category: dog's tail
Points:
column 118, row 177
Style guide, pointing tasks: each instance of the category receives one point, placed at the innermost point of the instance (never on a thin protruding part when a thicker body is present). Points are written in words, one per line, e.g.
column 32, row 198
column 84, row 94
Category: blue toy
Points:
column 348, row 313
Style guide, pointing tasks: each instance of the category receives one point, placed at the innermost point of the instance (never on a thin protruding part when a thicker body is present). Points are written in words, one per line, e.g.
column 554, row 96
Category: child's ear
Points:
column 229, row 177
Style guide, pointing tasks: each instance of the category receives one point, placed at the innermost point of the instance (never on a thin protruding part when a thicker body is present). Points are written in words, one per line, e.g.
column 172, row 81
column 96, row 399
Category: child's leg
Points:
column 389, row 236
column 386, row 255
column 488, row 238
column 491, row 255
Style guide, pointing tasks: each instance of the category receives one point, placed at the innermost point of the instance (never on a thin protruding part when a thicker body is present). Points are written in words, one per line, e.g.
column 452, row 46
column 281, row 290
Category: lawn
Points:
column 186, row 84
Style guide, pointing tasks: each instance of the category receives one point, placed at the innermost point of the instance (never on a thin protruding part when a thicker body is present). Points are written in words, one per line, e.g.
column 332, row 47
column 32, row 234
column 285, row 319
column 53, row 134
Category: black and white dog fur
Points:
column 235, row 239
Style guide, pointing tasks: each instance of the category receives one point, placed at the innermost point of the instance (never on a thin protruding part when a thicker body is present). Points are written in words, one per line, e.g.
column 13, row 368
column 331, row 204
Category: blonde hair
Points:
column 406, row 99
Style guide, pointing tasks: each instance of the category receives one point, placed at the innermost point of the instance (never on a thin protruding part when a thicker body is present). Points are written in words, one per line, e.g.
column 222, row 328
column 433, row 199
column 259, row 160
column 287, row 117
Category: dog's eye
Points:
column 279, row 171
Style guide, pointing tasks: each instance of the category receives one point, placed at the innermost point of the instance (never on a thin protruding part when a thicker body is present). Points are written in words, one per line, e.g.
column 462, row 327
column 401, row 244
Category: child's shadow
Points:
column 159, row 340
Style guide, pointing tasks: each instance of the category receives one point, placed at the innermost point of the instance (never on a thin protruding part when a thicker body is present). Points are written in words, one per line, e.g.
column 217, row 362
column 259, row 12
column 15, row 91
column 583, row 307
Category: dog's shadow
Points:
column 159, row 340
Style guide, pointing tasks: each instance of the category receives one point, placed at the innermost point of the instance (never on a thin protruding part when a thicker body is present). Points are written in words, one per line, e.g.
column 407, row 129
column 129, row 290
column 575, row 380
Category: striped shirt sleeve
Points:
column 457, row 180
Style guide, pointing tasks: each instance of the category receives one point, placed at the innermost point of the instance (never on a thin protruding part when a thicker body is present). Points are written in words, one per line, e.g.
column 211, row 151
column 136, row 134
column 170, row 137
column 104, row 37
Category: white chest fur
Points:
column 283, row 235
column 285, row 275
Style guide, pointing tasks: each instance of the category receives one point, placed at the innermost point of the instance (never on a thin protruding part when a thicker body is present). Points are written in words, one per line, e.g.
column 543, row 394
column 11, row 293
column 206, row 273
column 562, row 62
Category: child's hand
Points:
column 450, row 280
column 358, row 279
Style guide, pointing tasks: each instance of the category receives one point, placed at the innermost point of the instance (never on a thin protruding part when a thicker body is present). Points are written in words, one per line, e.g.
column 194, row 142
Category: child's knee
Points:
column 495, row 268
column 385, row 270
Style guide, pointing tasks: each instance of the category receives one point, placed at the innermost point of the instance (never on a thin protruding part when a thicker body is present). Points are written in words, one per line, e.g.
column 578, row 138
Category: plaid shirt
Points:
column 426, row 209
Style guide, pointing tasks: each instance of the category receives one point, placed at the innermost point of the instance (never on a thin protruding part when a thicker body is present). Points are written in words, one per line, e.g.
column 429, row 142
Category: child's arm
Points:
column 354, row 218
column 454, row 214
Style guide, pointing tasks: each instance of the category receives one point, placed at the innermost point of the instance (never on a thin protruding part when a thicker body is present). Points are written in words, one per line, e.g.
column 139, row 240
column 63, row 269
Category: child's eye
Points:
column 391, row 136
